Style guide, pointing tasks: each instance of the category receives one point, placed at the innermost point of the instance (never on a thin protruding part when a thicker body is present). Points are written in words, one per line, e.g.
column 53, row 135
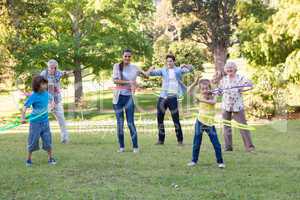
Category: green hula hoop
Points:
column 18, row 122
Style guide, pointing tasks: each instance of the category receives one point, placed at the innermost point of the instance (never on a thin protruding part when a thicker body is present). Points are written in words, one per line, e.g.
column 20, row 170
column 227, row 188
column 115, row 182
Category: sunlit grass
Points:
column 90, row 168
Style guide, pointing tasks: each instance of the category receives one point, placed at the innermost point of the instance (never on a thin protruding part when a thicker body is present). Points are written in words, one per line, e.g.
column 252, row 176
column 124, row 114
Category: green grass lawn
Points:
column 90, row 168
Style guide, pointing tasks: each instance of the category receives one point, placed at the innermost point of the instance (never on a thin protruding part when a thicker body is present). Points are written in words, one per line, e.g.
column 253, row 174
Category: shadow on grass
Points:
column 98, row 105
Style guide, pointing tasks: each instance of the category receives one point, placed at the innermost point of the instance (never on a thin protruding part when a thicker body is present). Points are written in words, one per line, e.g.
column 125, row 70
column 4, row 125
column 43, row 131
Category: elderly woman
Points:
column 232, row 105
column 53, row 75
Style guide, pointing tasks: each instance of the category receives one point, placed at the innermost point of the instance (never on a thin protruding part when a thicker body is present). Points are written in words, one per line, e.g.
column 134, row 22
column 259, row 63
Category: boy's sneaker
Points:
column 135, row 150
column 192, row 164
column 221, row 165
column 28, row 163
column 121, row 150
column 51, row 161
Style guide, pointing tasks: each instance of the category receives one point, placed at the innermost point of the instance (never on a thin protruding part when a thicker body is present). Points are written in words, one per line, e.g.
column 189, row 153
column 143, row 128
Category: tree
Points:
column 80, row 34
column 209, row 23
column 5, row 58
column 270, row 41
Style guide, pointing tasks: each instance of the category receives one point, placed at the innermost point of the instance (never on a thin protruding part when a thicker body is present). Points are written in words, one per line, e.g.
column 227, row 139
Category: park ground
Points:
column 90, row 168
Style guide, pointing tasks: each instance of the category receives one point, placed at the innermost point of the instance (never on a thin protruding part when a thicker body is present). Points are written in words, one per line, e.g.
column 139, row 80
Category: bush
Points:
column 186, row 52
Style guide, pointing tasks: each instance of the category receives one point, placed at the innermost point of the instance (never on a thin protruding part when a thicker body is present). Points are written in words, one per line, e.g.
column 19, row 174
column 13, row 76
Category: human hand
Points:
column 151, row 69
column 23, row 120
column 52, row 106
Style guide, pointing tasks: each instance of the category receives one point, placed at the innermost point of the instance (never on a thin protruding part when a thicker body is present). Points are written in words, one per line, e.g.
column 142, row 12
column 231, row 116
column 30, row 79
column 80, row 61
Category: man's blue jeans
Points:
column 212, row 133
column 126, row 103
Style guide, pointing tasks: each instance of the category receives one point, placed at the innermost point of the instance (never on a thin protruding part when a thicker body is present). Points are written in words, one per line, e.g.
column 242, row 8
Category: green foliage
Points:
column 271, row 46
column 292, row 67
column 161, row 49
column 186, row 52
column 210, row 23
column 80, row 34
column 210, row 20
column 268, row 98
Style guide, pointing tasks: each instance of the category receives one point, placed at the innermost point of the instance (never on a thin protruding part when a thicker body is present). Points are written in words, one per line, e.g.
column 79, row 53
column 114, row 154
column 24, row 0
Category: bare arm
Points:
column 192, row 86
column 154, row 72
column 209, row 101
column 23, row 117
column 67, row 73
column 245, row 89
column 186, row 68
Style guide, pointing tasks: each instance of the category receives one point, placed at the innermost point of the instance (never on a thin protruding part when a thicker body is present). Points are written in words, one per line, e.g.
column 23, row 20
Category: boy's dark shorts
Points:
column 39, row 130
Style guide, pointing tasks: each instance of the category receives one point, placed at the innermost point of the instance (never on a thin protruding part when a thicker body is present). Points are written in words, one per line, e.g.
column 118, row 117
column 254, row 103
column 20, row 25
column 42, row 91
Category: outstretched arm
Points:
column 248, row 87
column 142, row 73
column 193, row 85
column 186, row 68
column 67, row 72
column 154, row 72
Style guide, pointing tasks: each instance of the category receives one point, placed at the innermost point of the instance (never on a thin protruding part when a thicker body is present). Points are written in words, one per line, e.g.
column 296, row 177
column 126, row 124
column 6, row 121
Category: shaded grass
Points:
column 98, row 106
column 90, row 168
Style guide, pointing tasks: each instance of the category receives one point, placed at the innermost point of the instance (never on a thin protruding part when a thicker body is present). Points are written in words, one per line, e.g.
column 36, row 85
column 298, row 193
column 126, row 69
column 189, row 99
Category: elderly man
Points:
column 53, row 75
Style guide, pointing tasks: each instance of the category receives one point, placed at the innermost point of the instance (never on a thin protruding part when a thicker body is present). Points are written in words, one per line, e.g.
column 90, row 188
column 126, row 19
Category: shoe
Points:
column 135, row 150
column 251, row 149
column 28, row 163
column 159, row 143
column 121, row 150
column 221, row 165
column 192, row 164
column 51, row 161
column 180, row 144
column 228, row 149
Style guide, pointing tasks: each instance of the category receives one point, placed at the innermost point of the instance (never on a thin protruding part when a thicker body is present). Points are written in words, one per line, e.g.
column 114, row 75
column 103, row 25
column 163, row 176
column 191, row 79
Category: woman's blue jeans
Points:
column 126, row 103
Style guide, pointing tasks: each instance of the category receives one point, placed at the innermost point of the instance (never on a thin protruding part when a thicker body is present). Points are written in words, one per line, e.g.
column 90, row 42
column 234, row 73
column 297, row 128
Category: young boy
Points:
column 39, row 123
column 205, row 121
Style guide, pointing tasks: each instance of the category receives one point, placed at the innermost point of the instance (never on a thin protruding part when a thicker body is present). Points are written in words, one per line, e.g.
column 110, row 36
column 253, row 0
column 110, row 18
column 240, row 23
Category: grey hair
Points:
column 52, row 62
column 230, row 64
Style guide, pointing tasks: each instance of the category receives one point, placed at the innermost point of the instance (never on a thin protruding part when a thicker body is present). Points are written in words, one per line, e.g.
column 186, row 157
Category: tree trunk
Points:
column 220, row 57
column 78, row 84
column 77, row 56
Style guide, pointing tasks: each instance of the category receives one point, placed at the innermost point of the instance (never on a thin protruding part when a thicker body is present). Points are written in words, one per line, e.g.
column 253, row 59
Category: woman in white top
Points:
column 124, row 76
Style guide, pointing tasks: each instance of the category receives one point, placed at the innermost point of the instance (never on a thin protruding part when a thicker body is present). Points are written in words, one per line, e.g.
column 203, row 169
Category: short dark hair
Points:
column 171, row 56
column 127, row 51
column 37, row 81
